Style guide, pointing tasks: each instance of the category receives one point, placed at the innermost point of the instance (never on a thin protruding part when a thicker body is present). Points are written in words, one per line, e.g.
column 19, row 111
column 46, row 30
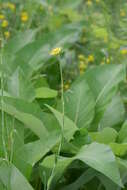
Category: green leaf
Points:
column 122, row 136
column 19, row 41
column 45, row 92
column 114, row 113
column 79, row 104
column 101, row 158
column 103, row 82
column 119, row 149
column 18, row 181
column 27, row 113
column 82, row 180
column 34, row 151
column 106, row 136
column 12, row 178
column 97, row 156
column 20, row 88
column 68, row 124
column 36, row 53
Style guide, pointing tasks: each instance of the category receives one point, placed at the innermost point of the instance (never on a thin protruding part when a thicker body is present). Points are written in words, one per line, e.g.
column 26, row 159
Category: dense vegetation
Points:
column 63, row 95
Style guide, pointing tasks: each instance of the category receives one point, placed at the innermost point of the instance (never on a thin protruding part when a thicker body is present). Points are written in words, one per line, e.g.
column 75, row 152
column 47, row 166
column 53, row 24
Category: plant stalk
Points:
column 62, row 128
column 2, row 102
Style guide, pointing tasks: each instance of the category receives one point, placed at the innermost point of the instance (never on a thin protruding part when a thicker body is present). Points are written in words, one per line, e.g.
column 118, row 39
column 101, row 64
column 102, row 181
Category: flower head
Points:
column 123, row 51
column 89, row 2
column 7, row 34
column 2, row 17
column 81, row 57
column 108, row 60
column 4, row 24
column 90, row 58
column 11, row 6
column 24, row 16
column 56, row 51
column 82, row 67
column 122, row 13
column 66, row 86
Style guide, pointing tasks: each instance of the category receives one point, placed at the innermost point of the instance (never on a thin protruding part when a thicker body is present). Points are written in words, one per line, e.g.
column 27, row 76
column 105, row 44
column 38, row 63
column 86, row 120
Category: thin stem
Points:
column 44, row 175
column 62, row 102
column 12, row 140
column 2, row 102
column 62, row 128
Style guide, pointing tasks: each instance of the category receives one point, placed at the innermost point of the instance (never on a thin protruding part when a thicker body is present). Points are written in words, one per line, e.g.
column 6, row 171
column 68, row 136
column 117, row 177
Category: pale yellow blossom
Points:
column 90, row 58
column 4, row 24
column 24, row 16
column 7, row 34
column 56, row 51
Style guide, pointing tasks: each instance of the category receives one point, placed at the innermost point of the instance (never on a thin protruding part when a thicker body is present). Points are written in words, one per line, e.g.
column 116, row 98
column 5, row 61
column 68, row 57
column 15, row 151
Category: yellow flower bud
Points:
column 107, row 60
column 4, row 24
column 7, row 34
column 56, row 51
column 81, row 57
column 24, row 16
column 122, row 13
column 90, row 58
column 11, row 6
column 2, row 17
column 66, row 86
column 123, row 51
column 89, row 2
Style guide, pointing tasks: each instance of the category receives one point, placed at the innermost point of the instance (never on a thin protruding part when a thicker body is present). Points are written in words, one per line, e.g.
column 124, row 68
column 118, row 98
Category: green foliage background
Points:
column 63, row 117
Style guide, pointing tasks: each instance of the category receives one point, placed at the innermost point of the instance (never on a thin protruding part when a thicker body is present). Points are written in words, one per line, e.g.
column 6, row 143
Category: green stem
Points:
column 12, row 140
column 62, row 128
column 62, row 102
column 2, row 102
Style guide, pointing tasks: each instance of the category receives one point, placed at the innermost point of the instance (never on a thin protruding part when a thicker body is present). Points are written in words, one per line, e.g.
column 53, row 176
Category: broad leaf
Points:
column 114, row 113
column 27, row 113
column 20, row 88
column 103, row 82
column 79, row 104
column 119, row 149
column 122, row 136
column 34, row 151
column 97, row 156
column 45, row 92
column 106, row 136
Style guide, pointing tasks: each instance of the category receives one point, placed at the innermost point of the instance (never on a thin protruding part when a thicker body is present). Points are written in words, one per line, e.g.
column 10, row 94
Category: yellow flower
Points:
column 56, row 51
column 102, row 63
column 4, row 24
column 66, row 86
column 90, row 58
column 24, row 16
column 123, row 51
column 11, row 6
column 82, row 67
column 89, row 2
column 105, row 39
column 107, row 60
column 2, row 16
column 81, row 57
column 7, row 34
column 122, row 13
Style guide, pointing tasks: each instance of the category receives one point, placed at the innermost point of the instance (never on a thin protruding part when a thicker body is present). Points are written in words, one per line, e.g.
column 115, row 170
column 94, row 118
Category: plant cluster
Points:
column 63, row 95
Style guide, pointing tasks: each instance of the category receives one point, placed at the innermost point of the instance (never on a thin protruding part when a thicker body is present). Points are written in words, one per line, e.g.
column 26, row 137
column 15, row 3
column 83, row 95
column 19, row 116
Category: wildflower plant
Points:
column 63, row 95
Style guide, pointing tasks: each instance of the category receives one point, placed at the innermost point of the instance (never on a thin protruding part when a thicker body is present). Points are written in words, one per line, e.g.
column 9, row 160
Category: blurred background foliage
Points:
column 89, row 32
column 101, row 25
